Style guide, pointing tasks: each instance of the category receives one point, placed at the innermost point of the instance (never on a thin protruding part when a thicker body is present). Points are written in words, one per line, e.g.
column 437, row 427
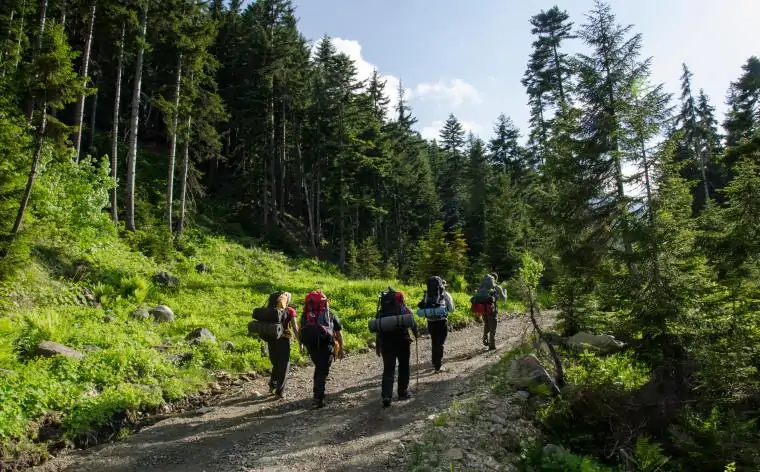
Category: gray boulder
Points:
column 162, row 314
column 50, row 349
column 603, row 343
column 527, row 373
column 166, row 279
column 228, row 346
column 200, row 335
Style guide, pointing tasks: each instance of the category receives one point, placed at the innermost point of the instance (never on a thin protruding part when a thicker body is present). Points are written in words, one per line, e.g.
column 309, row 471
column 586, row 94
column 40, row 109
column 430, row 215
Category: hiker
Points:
column 394, row 346
column 276, row 324
column 435, row 306
column 486, row 297
column 320, row 333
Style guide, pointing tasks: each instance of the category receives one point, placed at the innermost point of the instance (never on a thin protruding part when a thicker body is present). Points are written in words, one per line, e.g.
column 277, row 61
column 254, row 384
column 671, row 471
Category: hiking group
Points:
column 319, row 333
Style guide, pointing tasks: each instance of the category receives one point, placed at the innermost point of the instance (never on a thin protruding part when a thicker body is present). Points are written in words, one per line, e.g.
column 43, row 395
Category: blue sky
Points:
column 467, row 57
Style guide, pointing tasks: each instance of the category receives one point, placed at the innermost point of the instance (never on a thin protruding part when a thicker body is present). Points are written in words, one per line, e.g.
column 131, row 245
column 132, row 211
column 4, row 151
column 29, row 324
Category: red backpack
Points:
column 316, row 313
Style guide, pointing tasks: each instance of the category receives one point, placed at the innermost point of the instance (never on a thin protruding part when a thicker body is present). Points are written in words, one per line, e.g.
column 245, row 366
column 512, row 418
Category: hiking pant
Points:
column 438, row 331
column 279, row 355
column 489, row 328
column 322, row 357
column 391, row 353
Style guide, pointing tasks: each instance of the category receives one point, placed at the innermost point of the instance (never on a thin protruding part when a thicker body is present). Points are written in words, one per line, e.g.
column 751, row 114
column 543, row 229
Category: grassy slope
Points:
column 122, row 369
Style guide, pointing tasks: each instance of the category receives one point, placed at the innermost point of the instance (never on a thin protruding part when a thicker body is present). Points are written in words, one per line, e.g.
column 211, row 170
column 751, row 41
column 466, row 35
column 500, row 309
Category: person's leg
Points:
column 432, row 325
column 404, row 354
column 283, row 367
column 438, row 333
column 492, row 333
column 486, row 328
column 272, row 352
column 321, row 358
column 389, row 371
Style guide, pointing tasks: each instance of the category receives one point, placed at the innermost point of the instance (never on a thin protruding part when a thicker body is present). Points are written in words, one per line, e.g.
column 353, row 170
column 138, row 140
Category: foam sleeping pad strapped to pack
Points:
column 266, row 314
column 390, row 323
column 266, row 330
column 438, row 312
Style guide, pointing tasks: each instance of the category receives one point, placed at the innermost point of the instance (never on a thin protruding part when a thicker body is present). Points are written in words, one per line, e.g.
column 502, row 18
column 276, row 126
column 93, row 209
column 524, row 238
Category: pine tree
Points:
column 743, row 118
column 506, row 153
column 552, row 28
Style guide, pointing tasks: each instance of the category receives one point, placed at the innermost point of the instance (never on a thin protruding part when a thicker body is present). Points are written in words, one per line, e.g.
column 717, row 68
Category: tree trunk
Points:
column 134, row 123
column 79, row 120
column 559, row 376
column 272, row 156
column 19, row 36
column 558, row 72
column 650, row 212
column 115, row 132
column 283, row 160
column 63, row 12
column 173, row 150
column 183, row 182
column 93, row 116
column 37, row 47
column 33, row 173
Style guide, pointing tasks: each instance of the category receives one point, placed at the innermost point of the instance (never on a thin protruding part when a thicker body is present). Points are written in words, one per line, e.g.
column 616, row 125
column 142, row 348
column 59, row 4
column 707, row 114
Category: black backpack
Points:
column 434, row 293
column 389, row 305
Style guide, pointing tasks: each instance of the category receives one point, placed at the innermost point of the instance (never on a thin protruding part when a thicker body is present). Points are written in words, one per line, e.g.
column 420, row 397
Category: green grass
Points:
column 123, row 370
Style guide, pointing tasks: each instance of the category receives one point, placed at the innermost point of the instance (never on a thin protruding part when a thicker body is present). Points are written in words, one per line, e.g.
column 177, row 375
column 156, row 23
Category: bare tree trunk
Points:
column 173, row 151
column 272, row 156
column 559, row 376
column 37, row 47
column 19, row 36
column 63, row 12
column 183, row 184
column 134, row 123
column 79, row 120
column 650, row 212
column 115, row 132
column 33, row 172
column 283, row 160
column 93, row 116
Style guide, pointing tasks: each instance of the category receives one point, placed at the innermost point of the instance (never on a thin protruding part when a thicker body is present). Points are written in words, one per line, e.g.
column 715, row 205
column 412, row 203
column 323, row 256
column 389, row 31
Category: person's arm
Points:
column 407, row 311
column 378, row 345
column 449, row 301
column 294, row 323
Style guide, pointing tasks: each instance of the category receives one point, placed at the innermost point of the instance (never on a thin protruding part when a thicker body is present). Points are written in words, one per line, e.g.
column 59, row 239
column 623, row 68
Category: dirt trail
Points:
column 242, row 433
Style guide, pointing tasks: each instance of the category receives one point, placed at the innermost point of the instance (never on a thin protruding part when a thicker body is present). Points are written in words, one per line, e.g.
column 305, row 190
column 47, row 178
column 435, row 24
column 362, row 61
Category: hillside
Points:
column 92, row 300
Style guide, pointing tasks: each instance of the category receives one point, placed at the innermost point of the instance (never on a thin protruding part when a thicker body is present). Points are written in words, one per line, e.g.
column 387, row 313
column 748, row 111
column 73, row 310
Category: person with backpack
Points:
column 394, row 346
column 487, row 295
column 321, row 335
column 276, row 324
column 435, row 306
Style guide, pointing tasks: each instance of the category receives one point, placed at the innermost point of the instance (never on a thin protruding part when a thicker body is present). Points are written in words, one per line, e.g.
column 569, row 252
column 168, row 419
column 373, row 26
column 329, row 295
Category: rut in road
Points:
column 354, row 432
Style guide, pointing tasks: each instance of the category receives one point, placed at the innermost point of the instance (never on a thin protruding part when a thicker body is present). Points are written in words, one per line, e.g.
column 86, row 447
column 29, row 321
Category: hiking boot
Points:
column 492, row 347
column 404, row 396
column 278, row 395
column 485, row 341
column 273, row 390
column 318, row 403
column 386, row 402
column 440, row 369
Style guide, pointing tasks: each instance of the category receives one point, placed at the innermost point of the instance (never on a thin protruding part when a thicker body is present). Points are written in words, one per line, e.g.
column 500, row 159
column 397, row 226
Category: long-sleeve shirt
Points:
column 449, row 301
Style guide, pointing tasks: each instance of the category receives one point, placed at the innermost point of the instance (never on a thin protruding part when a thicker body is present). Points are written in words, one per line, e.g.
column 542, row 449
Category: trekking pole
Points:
column 417, row 366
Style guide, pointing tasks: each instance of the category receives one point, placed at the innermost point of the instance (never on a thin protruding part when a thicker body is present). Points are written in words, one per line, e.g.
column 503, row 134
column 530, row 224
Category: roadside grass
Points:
column 131, row 364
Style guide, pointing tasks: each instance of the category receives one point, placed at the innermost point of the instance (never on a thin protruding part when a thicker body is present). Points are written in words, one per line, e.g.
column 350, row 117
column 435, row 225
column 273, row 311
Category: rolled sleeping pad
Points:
column 266, row 330
column 390, row 323
column 265, row 314
column 435, row 313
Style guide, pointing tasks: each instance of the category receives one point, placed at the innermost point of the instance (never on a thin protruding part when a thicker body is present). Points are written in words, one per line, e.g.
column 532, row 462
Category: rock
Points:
column 371, row 345
column 553, row 450
column 432, row 417
column 181, row 358
column 92, row 348
column 455, row 454
column 204, row 409
column 215, row 387
column 50, row 349
column 200, row 335
column 140, row 313
column 523, row 394
column 604, row 343
column 227, row 346
column 257, row 394
column 166, row 279
column 527, row 372
column 498, row 419
column 200, row 268
column 162, row 313
column 109, row 319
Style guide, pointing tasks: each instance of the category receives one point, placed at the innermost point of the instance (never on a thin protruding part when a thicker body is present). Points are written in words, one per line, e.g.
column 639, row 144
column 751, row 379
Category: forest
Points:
column 148, row 130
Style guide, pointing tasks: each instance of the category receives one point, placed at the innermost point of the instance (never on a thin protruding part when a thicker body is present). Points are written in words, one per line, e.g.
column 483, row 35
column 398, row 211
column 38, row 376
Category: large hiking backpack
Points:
column 317, row 319
column 389, row 317
column 269, row 320
column 434, row 293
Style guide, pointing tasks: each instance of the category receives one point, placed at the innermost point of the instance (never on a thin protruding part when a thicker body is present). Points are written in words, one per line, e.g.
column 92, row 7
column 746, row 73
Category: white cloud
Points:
column 454, row 91
column 433, row 130
column 364, row 69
